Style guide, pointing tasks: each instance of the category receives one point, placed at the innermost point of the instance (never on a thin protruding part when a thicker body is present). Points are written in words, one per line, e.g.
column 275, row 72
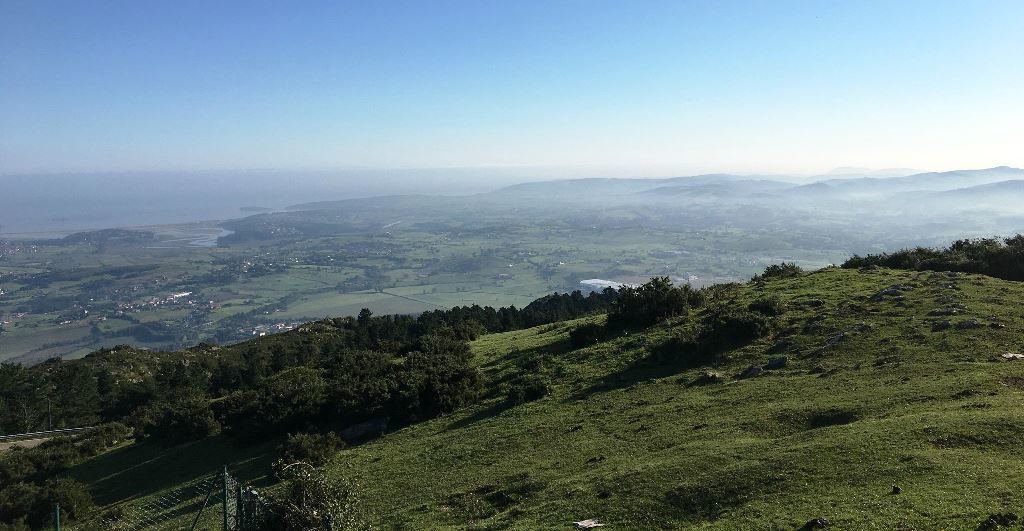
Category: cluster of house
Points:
column 264, row 329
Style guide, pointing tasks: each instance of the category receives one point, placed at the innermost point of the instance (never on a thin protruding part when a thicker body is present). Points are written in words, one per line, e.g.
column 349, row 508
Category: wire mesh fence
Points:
column 218, row 501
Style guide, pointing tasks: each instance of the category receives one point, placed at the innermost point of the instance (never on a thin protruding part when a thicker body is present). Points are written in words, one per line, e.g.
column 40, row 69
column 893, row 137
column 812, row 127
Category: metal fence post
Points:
column 239, row 507
column 56, row 517
column 225, row 478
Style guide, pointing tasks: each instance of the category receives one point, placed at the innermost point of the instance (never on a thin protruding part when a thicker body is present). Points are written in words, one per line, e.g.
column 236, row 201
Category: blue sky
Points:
column 614, row 87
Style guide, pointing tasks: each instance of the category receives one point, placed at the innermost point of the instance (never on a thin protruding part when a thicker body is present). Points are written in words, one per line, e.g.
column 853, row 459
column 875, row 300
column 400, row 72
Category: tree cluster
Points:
column 649, row 303
column 30, row 485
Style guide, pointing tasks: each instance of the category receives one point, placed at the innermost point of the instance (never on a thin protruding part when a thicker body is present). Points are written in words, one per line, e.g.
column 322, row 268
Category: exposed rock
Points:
column 589, row 523
column 998, row 521
column 1009, row 356
column 944, row 312
column 817, row 523
column 836, row 339
column 896, row 489
column 892, row 291
column 782, row 345
column 969, row 324
column 939, row 326
column 777, row 362
column 751, row 372
column 708, row 377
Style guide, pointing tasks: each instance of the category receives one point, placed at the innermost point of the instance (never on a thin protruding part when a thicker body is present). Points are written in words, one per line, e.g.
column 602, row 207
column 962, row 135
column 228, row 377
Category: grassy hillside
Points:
column 880, row 388
column 870, row 397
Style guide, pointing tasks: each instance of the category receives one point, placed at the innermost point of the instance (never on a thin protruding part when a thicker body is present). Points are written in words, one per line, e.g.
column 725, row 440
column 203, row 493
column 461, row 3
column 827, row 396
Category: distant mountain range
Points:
column 997, row 191
column 984, row 183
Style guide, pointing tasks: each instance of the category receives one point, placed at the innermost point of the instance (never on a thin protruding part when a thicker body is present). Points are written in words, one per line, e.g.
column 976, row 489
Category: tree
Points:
column 650, row 303
column 180, row 421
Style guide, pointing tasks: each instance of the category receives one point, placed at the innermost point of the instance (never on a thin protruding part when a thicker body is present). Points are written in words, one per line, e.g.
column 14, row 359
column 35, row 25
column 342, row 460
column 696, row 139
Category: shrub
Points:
column 650, row 303
column 435, row 381
column 770, row 306
column 27, row 503
column 17, row 525
column 585, row 335
column 103, row 437
column 313, row 448
column 783, row 270
column 56, row 454
column 988, row 256
column 16, row 465
column 72, row 496
column 723, row 329
column 174, row 423
column 309, row 499
column 732, row 327
column 18, row 501
column 529, row 388
column 292, row 399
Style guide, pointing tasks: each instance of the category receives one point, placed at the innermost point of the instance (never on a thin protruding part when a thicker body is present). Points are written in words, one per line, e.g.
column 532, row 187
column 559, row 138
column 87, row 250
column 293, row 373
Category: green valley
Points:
column 853, row 398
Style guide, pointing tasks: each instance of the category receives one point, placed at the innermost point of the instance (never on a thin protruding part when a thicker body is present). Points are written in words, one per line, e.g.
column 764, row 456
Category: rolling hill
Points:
column 878, row 399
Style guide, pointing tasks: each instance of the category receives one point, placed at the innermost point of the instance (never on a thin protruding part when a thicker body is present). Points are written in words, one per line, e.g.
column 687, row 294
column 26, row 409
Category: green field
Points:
column 870, row 397
column 62, row 298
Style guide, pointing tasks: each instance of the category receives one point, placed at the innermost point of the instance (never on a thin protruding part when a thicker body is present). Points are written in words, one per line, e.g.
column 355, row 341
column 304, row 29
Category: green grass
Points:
column 641, row 445
column 434, row 267
column 638, row 446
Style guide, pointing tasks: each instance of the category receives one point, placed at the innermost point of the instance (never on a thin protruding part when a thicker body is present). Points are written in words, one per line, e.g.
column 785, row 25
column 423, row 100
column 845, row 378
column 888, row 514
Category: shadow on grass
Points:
column 671, row 357
column 532, row 360
column 492, row 410
column 504, row 372
column 642, row 370
column 142, row 469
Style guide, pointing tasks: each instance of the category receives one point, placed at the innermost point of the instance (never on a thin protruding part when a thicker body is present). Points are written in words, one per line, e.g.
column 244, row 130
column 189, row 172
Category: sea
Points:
column 41, row 205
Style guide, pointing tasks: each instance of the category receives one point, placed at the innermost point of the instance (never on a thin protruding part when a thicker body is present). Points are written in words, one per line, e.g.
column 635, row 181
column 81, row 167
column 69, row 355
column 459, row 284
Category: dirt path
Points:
column 27, row 443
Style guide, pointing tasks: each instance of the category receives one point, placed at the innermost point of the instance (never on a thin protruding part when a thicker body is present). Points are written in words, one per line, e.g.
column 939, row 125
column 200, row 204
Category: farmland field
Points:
column 155, row 287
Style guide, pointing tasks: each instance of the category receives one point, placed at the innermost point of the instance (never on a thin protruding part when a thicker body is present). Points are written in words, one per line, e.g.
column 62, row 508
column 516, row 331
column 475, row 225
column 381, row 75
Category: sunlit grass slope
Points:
column 875, row 392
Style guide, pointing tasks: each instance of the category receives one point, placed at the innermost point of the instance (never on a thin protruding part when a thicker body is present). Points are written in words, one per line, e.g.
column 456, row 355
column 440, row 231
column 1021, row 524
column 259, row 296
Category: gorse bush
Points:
column 177, row 422
column 1000, row 258
column 730, row 327
column 313, row 448
column 770, row 306
column 783, row 270
column 527, row 388
column 650, row 303
column 28, row 491
column 309, row 499
column 586, row 335
column 57, row 454
column 720, row 330
column 437, row 380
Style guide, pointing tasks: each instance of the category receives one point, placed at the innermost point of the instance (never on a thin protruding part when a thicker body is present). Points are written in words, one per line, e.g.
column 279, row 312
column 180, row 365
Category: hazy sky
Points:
column 626, row 86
